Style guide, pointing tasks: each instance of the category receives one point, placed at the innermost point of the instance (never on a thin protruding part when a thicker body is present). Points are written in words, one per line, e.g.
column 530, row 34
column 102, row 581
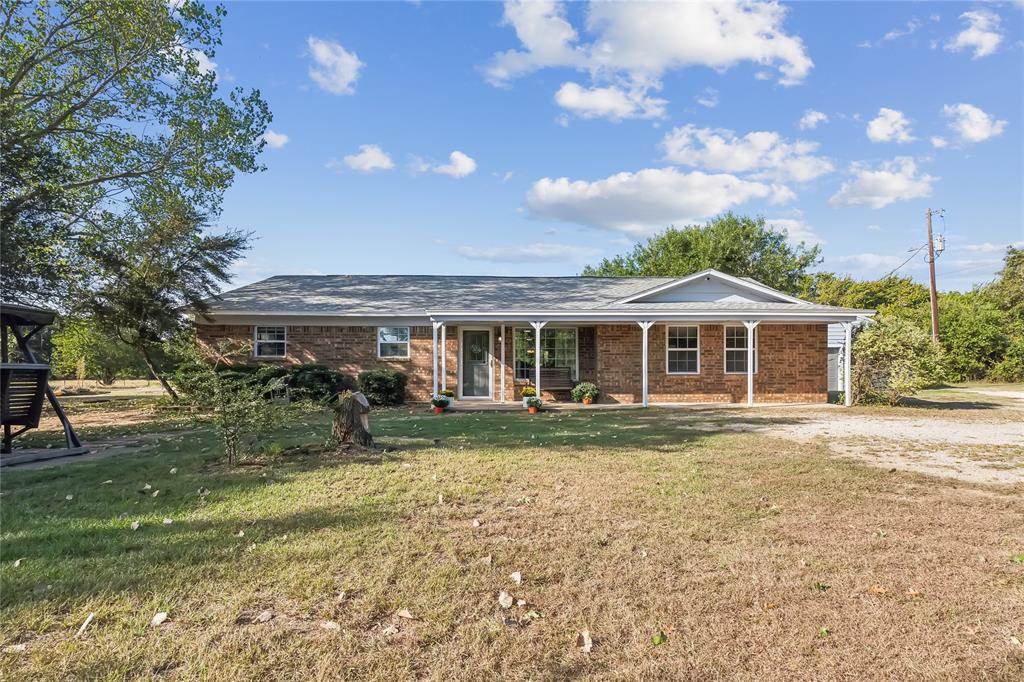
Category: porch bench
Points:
column 556, row 379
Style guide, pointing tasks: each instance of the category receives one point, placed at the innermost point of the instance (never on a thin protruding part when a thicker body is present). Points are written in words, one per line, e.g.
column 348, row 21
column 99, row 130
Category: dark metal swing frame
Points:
column 25, row 385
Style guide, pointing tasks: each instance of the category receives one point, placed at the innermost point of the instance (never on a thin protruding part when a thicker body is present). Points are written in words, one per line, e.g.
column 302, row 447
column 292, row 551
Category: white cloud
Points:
column 459, row 166
column 989, row 247
column 767, row 153
column 204, row 63
column 369, row 159
column 417, row 164
column 528, row 253
column 645, row 201
column 874, row 228
column 939, row 142
column 871, row 262
column 636, row 43
column 911, row 27
column 275, row 140
column 971, row 124
column 708, row 98
column 896, row 180
column 336, row 70
column 895, row 33
column 796, row 230
column 611, row 102
column 890, row 126
column 983, row 34
column 811, row 119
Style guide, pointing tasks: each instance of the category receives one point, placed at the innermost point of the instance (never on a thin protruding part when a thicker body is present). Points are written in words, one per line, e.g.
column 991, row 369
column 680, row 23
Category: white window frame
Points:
column 576, row 370
column 407, row 342
column 668, row 350
column 745, row 349
column 256, row 340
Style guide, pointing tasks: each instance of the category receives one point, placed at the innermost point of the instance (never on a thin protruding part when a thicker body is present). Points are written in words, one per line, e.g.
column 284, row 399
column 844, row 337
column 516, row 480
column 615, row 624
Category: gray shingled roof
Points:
column 418, row 294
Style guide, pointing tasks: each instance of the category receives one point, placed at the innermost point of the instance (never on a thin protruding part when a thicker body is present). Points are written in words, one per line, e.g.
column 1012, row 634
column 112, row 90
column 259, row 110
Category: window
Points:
column 683, row 346
column 557, row 349
column 736, row 350
column 270, row 342
column 392, row 342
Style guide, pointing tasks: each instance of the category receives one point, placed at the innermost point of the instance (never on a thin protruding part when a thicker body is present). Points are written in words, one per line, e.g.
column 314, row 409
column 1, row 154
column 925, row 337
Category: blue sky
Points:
column 488, row 138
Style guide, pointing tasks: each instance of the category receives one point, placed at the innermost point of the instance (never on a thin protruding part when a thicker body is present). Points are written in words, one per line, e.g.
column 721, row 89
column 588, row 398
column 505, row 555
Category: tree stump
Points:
column 352, row 421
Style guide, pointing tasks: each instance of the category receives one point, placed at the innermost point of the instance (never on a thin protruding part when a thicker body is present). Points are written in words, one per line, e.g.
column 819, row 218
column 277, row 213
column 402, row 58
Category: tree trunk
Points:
column 352, row 421
column 156, row 375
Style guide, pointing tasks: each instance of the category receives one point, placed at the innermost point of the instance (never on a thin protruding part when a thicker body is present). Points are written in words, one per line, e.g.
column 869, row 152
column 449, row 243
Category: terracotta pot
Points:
column 587, row 401
column 532, row 409
column 438, row 410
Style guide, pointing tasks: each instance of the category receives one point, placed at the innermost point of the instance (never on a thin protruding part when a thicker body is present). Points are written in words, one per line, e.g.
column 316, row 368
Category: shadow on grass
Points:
column 74, row 560
column 938, row 404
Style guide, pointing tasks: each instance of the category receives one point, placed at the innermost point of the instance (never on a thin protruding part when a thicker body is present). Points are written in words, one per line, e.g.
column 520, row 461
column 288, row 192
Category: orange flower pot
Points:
column 587, row 401
column 532, row 410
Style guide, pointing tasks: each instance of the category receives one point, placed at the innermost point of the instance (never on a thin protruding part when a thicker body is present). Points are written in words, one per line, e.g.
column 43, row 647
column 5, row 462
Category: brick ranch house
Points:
column 706, row 338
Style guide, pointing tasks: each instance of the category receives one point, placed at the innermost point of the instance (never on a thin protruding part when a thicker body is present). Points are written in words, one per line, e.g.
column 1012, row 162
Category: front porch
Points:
column 677, row 361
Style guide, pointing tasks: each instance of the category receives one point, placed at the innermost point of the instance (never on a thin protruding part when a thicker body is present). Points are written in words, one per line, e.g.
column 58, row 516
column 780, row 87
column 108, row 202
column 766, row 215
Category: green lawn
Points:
column 627, row 524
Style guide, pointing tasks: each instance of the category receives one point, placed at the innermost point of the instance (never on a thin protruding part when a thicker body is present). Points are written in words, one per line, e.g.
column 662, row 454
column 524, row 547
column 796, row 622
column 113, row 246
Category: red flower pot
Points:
column 438, row 410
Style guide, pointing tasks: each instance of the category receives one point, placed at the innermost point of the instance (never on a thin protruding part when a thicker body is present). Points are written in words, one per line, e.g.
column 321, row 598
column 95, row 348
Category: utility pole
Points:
column 931, row 271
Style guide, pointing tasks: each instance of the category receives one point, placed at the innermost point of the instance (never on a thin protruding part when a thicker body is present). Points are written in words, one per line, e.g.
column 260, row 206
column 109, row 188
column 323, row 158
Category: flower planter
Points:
column 532, row 410
column 438, row 410
column 588, row 401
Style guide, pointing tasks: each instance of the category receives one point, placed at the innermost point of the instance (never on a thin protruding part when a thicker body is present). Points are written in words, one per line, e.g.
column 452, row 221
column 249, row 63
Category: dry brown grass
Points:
column 623, row 524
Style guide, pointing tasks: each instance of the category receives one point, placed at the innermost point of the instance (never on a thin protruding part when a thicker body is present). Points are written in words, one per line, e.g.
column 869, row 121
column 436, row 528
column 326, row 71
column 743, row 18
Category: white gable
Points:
column 709, row 290
column 712, row 286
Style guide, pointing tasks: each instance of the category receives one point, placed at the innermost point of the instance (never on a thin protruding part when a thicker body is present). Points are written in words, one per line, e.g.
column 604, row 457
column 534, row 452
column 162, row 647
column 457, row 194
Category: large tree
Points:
column 151, row 266
column 104, row 105
column 736, row 245
column 890, row 295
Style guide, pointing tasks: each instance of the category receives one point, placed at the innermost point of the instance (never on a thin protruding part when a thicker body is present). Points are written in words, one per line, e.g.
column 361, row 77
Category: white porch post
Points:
column 751, row 326
column 537, row 326
column 444, row 358
column 644, row 326
column 435, row 325
column 847, row 357
column 501, row 381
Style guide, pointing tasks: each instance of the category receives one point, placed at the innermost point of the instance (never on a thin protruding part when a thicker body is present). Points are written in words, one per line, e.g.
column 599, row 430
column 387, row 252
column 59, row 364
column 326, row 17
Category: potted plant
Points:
column 533, row 404
column 585, row 392
column 440, row 402
column 528, row 392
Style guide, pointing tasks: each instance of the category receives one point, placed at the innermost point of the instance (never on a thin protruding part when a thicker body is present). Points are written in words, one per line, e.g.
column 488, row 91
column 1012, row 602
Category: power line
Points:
column 916, row 251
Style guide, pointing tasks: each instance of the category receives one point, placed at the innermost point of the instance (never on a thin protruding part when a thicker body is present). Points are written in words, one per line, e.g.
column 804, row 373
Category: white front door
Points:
column 475, row 363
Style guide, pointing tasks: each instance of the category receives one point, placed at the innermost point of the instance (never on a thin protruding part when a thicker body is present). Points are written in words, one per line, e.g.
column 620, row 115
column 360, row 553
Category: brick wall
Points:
column 792, row 366
column 792, row 361
column 346, row 349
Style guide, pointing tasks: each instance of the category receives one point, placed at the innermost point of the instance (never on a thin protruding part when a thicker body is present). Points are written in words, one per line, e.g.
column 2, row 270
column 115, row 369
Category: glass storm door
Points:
column 476, row 363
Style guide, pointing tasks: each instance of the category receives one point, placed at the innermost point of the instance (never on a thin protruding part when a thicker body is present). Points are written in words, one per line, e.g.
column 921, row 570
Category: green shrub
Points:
column 1011, row 367
column 584, row 389
column 383, row 386
column 318, row 383
column 533, row 401
column 440, row 400
column 972, row 330
column 893, row 359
